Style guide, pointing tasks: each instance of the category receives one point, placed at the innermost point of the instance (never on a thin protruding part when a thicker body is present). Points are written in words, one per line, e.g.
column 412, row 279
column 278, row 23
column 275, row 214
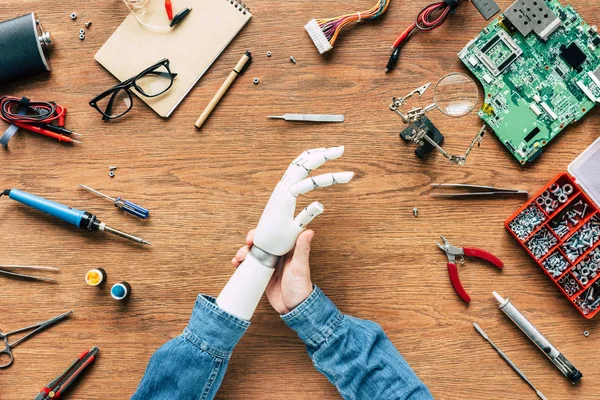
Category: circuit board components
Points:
column 539, row 65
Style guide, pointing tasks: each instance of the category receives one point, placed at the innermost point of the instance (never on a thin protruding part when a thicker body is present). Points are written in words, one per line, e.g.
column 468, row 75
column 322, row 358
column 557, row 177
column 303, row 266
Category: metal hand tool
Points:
column 452, row 252
column 60, row 384
column 79, row 218
column 36, row 328
column 310, row 117
column 33, row 277
column 560, row 361
column 475, row 190
column 508, row 361
column 122, row 204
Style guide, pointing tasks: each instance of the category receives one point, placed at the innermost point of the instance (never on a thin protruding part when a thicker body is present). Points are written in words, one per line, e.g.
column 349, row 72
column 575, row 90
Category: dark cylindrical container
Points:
column 22, row 44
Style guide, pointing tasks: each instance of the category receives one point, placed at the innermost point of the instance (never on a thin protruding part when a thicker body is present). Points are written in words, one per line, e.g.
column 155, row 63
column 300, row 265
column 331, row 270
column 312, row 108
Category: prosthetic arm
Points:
column 278, row 230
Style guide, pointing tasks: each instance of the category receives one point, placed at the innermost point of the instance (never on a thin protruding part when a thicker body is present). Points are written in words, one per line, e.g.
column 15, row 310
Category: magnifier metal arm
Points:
column 278, row 230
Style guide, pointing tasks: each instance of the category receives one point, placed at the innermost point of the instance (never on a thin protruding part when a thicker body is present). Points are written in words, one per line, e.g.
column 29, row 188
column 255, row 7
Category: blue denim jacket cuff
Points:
column 315, row 319
column 214, row 330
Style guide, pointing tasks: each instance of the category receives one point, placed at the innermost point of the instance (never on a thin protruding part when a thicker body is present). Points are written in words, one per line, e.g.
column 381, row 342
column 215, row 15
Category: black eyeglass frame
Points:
column 126, row 85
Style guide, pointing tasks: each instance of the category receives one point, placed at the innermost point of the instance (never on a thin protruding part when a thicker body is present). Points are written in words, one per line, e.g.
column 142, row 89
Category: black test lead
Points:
column 180, row 16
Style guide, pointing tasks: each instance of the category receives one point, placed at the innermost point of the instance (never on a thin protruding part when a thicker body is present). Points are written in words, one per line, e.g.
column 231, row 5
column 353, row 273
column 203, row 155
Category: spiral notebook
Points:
column 191, row 46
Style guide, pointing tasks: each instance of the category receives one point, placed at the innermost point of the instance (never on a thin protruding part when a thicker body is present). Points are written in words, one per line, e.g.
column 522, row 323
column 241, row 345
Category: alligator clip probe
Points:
column 79, row 218
column 60, row 384
column 127, row 206
column 452, row 252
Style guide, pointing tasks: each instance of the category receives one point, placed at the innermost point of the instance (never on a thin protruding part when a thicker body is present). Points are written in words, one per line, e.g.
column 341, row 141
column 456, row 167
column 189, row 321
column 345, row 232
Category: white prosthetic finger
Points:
column 320, row 181
column 309, row 213
column 309, row 161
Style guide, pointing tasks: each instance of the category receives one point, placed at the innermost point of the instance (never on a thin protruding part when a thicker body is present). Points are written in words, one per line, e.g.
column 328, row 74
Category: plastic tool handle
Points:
column 71, row 215
column 484, row 255
column 456, row 284
column 132, row 208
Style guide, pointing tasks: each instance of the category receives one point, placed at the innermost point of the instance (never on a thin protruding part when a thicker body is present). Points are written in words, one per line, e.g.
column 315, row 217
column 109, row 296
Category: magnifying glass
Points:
column 455, row 95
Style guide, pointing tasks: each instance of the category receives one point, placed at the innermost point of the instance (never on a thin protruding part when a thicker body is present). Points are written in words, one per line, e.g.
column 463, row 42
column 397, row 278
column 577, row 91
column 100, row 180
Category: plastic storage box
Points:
column 560, row 230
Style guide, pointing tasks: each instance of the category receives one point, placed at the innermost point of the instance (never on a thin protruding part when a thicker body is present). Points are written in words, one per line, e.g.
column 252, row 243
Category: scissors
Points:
column 36, row 328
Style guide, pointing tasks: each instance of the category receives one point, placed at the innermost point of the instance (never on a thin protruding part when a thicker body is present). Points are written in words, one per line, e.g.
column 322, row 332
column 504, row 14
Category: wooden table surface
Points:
column 206, row 189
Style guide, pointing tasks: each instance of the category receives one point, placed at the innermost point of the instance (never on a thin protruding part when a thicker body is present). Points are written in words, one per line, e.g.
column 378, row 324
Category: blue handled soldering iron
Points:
column 81, row 219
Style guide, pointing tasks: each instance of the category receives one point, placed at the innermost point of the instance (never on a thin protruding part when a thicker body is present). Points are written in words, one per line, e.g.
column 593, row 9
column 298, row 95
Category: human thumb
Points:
column 302, row 250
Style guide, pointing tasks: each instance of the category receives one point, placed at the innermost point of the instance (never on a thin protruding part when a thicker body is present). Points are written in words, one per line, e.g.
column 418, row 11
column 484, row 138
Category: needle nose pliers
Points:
column 452, row 252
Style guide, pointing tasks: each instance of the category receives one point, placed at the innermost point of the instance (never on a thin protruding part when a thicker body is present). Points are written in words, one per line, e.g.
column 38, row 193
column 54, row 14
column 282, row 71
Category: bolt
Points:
column 416, row 212
column 292, row 59
column 88, row 24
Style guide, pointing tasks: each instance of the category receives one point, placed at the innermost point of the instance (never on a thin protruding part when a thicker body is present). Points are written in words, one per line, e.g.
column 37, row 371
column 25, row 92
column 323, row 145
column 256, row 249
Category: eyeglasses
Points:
column 117, row 101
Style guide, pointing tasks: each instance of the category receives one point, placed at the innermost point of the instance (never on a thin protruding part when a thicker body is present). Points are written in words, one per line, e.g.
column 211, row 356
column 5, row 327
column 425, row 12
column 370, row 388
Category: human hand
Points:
column 290, row 285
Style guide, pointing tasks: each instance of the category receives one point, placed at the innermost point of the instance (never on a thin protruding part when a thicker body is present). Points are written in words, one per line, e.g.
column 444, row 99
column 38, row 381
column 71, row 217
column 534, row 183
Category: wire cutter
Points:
column 36, row 328
column 452, row 252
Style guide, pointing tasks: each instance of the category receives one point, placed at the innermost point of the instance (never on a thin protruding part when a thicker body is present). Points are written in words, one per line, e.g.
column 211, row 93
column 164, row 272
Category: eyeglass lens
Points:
column 154, row 82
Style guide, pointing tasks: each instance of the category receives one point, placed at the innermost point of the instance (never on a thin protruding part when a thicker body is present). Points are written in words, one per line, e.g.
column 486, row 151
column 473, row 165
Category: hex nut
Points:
column 73, row 16
column 269, row 54
column 586, row 333
column 82, row 31
column 81, row 36
column 255, row 80
column 111, row 174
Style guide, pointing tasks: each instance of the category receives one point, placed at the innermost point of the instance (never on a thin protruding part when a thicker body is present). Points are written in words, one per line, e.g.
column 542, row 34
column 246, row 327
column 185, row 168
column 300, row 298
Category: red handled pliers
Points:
column 452, row 252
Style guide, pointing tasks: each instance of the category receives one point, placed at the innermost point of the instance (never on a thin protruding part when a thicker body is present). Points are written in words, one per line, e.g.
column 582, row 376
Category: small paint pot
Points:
column 120, row 291
column 95, row 277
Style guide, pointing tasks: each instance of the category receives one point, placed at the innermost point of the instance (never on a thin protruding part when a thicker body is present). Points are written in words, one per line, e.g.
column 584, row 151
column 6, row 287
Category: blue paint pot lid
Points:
column 118, row 291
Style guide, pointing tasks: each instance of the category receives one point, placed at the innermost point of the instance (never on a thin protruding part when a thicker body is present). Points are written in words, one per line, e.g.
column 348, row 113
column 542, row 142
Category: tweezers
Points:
column 475, row 190
column 32, row 277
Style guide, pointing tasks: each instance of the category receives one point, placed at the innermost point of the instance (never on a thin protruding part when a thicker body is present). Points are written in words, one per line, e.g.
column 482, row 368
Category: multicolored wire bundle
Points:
column 429, row 18
column 324, row 31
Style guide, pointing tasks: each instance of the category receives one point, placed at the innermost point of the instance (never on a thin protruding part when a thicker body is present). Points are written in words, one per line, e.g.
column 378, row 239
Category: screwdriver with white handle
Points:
column 120, row 203
column 79, row 218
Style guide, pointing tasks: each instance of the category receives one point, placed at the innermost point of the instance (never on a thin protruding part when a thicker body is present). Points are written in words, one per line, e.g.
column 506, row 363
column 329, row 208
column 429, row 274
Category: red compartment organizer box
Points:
column 560, row 229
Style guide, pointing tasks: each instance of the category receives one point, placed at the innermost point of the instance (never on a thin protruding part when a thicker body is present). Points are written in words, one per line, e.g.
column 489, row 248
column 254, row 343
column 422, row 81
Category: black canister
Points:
column 22, row 45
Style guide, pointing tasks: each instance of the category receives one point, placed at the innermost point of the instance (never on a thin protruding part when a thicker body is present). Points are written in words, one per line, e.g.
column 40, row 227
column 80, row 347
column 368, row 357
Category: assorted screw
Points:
column 556, row 264
column 541, row 243
column 416, row 212
column 88, row 24
column 588, row 268
column 556, row 195
column 526, row 222
column 589, row 300
column 569, row 219
column 582, row 240
column 569, row 284
column 292, row 59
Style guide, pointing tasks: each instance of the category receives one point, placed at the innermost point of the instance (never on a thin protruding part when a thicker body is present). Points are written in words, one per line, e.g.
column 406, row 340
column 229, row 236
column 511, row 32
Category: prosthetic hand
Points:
column 278, row 230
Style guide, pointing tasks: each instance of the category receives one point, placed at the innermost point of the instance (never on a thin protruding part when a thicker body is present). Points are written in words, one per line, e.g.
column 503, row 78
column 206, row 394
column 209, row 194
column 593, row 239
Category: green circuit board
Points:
column 539, row 64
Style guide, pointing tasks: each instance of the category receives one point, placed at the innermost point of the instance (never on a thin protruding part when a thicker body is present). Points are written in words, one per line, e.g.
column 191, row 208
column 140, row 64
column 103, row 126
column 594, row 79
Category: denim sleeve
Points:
column 192, row 366
column 355, row 355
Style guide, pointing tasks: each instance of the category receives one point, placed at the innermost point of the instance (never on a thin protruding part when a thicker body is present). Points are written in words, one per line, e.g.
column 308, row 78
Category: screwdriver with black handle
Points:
column 122, row 204
column 79, row 218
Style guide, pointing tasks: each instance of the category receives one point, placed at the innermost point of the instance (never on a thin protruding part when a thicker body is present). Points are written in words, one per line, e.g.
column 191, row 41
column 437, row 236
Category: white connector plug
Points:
column 317, row 36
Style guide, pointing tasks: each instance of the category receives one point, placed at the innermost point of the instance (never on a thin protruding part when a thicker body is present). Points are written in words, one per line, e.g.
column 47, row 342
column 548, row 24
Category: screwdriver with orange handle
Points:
column 61, row 384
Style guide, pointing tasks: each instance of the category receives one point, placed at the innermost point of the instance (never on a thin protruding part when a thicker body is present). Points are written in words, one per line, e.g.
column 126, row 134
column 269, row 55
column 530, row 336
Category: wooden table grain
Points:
column 206, row 189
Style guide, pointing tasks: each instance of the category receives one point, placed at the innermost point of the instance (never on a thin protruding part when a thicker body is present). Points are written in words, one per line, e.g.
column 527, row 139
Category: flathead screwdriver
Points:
column 122, row 204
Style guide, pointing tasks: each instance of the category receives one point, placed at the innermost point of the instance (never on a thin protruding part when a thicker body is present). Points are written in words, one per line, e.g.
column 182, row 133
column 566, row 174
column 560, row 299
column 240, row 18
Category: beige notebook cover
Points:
column 191, row 46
